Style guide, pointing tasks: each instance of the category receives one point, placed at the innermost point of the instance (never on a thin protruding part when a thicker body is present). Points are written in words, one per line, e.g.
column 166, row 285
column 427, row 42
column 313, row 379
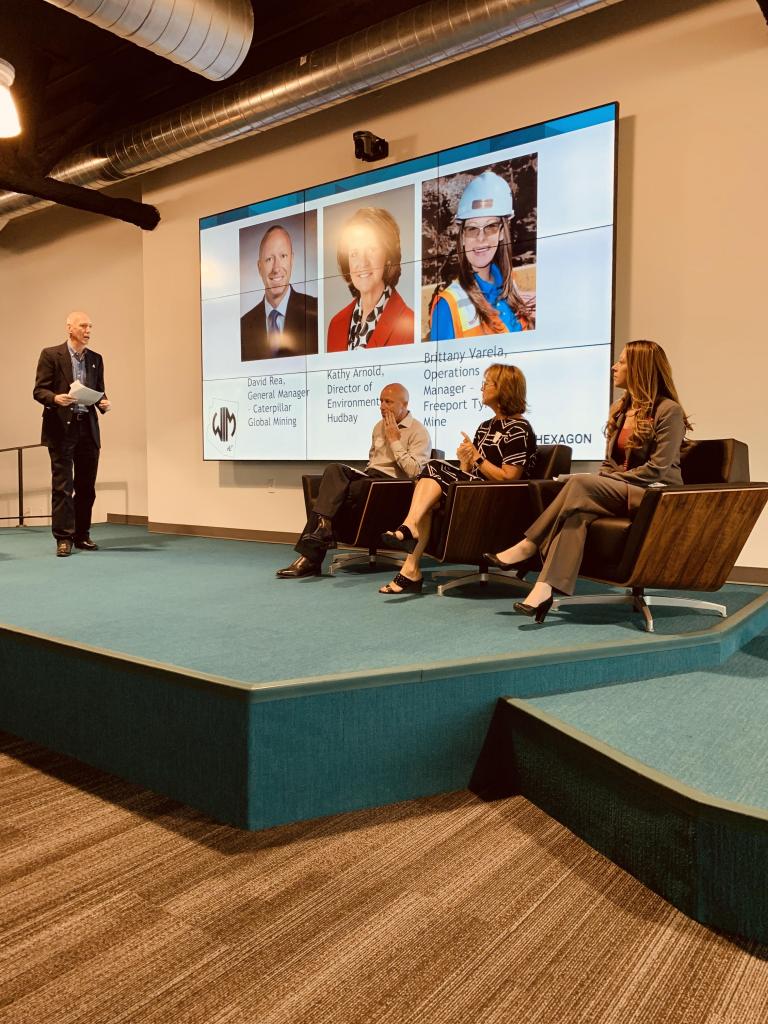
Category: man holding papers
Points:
column 70, row 386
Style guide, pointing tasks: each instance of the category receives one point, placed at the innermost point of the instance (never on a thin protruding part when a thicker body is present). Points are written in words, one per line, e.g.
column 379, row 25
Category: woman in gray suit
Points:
column 645, row 431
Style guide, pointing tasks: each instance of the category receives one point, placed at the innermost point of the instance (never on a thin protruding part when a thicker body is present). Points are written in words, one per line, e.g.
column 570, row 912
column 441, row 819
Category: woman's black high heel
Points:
column 491, row 559
column 537, row 611
column 392, row 543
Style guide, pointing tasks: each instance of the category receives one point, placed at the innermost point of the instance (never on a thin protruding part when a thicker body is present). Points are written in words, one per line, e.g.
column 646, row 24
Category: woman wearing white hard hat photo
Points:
column 483, row 298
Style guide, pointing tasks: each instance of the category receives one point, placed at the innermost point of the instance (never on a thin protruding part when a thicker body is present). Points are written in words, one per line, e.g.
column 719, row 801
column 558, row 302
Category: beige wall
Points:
column 690, row 78
column 50, row 263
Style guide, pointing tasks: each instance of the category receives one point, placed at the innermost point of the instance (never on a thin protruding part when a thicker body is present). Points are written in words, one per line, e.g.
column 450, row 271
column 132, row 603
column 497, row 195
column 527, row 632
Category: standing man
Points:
column 284, row 323
column 71, row 432
column 400, row 447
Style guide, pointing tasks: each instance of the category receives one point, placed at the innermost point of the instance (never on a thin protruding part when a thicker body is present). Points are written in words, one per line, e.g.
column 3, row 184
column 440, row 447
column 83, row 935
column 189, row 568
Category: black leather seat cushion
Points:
column 606, row 544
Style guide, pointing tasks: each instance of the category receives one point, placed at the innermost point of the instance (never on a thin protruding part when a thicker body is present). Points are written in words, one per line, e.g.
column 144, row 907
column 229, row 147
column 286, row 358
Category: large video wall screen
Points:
column 421, row 273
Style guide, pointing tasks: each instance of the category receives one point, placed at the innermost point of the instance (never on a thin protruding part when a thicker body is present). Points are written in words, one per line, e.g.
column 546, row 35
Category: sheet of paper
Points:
column 84, row 395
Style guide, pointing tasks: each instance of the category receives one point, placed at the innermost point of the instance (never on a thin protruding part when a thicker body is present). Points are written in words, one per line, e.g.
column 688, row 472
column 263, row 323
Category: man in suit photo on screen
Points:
column 71, row 432
column 284, row 323
column 400, row 447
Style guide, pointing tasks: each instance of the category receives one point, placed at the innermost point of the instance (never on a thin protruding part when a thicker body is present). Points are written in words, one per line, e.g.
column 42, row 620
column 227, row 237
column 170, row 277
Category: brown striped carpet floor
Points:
column 118, row 905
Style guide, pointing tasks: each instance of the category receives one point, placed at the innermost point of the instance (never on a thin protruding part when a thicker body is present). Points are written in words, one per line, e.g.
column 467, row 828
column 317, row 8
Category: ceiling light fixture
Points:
column 9, row 117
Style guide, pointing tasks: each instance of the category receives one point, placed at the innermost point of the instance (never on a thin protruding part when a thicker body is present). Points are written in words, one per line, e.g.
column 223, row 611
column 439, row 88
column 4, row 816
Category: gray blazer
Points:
column 658, row 460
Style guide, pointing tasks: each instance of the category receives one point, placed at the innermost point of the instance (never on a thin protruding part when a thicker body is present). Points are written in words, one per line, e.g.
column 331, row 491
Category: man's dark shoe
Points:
column 300, row 567
column 86, row 544
column 323, row 532
column 63, row 548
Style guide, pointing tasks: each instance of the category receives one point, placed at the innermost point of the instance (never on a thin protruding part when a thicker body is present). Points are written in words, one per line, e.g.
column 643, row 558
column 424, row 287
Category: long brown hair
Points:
column 511, row 388
column 457, row 267
column 649, row 379
column 503, row 260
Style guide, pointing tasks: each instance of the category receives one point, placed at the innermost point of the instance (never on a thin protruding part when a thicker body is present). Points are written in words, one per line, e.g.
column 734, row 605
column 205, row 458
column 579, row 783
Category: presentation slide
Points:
column 421, row 273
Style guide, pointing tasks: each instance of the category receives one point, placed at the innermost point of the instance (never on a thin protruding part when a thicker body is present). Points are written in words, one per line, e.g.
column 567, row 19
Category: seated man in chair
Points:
column 400, row 447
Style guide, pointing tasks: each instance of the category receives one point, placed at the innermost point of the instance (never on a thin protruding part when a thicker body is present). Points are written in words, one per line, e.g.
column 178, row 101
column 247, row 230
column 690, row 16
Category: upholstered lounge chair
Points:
column 360, row 525
column 479, row 517
column 681, row 538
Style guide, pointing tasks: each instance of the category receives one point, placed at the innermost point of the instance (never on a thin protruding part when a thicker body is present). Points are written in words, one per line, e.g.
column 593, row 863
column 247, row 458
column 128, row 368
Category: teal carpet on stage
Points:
column 706, row 729
column 183, row 664
column 215, row 606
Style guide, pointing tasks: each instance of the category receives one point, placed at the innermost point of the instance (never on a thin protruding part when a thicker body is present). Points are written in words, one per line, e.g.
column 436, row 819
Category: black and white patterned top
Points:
column 360, row 330
column 507, row 441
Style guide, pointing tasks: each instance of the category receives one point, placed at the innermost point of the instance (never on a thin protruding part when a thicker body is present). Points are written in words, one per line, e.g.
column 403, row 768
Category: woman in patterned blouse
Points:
column 504, row 448
column 369, row 260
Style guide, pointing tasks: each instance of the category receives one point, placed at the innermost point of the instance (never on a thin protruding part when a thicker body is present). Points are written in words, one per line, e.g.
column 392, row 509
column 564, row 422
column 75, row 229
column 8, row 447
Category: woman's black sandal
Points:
column 406, row 584
column 392, row 542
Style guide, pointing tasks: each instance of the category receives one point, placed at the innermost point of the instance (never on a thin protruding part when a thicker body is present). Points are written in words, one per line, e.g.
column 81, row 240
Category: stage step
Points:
column 704, row 848
column 179, row 692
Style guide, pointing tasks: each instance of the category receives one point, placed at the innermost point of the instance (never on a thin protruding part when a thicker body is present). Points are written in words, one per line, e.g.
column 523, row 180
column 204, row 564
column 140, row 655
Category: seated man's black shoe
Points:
column 300, row 567
column 323, row 532
column 86, row 544
column 63, row 548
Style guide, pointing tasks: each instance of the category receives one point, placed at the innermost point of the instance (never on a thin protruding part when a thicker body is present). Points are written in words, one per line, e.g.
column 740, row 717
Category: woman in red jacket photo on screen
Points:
column 369, row 260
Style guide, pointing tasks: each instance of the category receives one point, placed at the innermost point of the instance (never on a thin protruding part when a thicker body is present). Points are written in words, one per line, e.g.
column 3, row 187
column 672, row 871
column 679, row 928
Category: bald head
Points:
column 79, row 329
column 394, row 399
column 276, row 262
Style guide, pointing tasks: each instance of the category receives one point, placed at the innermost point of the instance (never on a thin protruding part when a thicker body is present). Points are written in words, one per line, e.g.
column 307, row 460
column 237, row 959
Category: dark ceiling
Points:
column 76, row 83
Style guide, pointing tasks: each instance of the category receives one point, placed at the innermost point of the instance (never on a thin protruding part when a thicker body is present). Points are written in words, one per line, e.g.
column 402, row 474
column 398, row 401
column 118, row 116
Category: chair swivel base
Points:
column 463, row 578
column 345, row 559
column 642, row 602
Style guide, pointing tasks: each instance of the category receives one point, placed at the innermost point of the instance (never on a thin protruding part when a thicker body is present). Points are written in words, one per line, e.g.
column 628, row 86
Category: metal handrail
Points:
column 19, row 449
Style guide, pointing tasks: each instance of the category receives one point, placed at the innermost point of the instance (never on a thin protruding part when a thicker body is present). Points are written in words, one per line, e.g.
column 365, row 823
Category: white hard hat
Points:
column 487, row 195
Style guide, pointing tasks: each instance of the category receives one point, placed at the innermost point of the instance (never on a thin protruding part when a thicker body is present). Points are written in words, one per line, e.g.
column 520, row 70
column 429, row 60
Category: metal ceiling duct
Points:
column 416, row 41
column 210, row 37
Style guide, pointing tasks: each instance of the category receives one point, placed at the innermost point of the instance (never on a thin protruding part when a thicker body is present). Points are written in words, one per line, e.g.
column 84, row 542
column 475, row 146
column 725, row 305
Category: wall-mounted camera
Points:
column 370, row 147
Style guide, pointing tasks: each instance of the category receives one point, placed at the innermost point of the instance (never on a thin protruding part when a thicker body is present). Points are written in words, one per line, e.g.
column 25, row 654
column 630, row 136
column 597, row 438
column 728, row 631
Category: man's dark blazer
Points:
column 299, row 335
column 54, row 377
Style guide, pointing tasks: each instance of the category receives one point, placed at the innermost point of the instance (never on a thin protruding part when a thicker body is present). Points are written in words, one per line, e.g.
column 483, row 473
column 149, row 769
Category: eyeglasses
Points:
column 487, row 384
column 473, row 231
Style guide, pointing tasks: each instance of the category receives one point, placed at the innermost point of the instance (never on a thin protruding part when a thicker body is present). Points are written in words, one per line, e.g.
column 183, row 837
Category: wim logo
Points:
column 224, row 424
column 221, row 418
